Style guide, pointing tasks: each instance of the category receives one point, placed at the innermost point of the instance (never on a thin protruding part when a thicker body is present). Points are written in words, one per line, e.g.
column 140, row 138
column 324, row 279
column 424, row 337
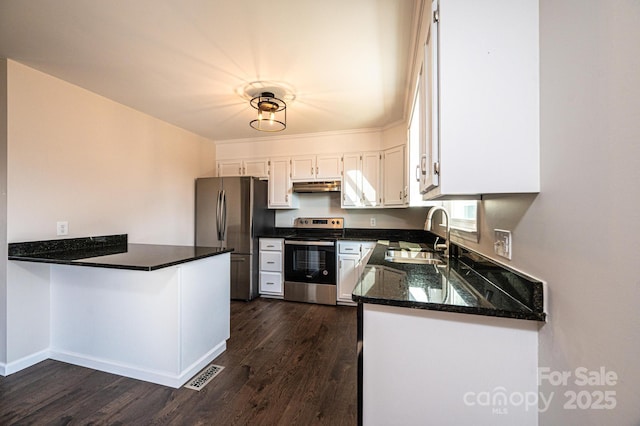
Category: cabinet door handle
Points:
column 270, row 263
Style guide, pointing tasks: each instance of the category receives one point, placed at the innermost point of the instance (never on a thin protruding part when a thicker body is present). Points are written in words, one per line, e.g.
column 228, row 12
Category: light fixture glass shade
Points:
column 272, row 113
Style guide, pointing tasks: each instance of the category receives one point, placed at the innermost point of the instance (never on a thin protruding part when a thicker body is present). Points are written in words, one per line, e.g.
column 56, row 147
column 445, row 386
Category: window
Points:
column 464, row 218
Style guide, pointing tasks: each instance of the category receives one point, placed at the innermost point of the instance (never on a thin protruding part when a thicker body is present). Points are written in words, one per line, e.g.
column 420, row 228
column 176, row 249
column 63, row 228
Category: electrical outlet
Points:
column 372, row 221
column 502, row 243
column 62, row 228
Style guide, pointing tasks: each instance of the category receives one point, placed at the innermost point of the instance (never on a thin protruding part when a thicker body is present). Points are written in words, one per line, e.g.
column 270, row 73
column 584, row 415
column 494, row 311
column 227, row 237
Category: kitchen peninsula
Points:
column 158, row 313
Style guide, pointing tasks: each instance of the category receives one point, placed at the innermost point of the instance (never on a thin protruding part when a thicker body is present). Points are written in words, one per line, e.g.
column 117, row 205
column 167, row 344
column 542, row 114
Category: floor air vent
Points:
column 204, row 377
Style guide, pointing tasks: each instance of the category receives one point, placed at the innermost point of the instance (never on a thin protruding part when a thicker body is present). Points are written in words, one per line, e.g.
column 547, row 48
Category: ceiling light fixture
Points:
column 272, row 113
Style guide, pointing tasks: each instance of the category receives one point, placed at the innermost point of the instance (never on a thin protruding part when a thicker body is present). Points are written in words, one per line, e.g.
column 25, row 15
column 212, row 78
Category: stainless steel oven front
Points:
column 310, row 271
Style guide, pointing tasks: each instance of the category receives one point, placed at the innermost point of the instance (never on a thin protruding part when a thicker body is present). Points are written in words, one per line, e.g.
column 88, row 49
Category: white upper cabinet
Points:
column 303, row 168
column 230, row 168
column 281, row 194
column 371, row 179
column 315, row 167
column 393, row 172
column 258, row 167
column 328, row 167
column 351, row 180
column 361, row 180
column 480, row 98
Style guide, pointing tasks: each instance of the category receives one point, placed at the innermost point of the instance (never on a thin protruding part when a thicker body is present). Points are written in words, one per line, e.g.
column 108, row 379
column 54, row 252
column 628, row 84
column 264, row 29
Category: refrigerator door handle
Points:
column 224, row 216
column 219, row 215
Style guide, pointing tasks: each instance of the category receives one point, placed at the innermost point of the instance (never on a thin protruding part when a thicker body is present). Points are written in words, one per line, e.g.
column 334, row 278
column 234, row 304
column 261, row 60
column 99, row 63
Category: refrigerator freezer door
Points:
column 237, row 213
column 208, row 212
column 263, row 218
column 244, row 276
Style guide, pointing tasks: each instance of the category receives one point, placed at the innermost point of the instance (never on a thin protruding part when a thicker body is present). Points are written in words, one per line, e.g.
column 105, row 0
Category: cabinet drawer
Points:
column 271, row 282
column 271, row 244
column 271, row 261
column 349, row 247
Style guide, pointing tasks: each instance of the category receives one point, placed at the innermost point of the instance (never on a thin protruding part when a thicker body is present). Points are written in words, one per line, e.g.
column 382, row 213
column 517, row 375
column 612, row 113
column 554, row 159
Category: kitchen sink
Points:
column 410, row 256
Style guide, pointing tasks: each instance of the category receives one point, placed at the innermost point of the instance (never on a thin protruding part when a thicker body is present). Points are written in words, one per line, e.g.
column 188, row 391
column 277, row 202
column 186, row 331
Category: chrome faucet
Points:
column 427, row 227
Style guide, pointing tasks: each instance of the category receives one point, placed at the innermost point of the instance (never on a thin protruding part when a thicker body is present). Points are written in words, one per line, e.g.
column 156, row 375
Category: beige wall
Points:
column 394, row 135
column 103, row 167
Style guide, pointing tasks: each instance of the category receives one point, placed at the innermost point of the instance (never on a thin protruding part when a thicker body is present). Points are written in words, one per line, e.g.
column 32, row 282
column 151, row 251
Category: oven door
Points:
column 310, row 261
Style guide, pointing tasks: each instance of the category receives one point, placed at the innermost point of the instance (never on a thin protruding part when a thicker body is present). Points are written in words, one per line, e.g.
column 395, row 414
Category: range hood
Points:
column 328, row 186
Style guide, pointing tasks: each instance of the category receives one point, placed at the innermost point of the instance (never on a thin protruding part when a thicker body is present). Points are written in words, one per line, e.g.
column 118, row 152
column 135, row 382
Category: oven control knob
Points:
column 325, row 272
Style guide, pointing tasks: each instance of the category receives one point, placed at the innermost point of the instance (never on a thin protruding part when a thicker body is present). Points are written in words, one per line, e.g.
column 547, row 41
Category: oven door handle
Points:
column 309, row 243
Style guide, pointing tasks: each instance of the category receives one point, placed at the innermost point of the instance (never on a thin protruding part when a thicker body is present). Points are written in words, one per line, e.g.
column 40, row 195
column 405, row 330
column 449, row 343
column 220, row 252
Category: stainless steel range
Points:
column 310, row 273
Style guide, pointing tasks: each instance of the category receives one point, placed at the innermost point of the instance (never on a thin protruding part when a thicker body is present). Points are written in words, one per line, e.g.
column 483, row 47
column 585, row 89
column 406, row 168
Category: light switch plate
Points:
column 62, row 228
column 502, row 243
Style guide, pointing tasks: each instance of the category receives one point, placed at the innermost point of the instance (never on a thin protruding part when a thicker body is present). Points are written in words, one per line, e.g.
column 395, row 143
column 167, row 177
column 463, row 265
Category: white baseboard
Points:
column 135, row 372
column 194, row 368
column 22, row 363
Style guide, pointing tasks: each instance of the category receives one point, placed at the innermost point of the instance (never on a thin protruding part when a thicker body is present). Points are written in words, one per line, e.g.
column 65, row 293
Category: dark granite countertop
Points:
column 469, row 283
column 111, row 251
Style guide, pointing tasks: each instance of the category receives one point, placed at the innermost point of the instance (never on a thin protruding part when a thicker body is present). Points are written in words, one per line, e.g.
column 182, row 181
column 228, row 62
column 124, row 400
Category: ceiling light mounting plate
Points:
column 268, row 102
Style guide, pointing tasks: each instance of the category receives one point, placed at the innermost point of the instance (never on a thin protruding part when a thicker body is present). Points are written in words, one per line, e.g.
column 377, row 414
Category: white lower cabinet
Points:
column 271, row 267
column 347, row 276
column 271, row 283
column 352, row 258
column 435, row 367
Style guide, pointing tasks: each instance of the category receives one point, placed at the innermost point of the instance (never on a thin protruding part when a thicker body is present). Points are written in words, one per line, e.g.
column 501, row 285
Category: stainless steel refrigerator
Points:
column 232, row 212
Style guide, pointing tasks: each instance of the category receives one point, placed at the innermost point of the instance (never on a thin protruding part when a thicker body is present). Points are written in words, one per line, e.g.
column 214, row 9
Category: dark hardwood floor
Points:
column 286, row 364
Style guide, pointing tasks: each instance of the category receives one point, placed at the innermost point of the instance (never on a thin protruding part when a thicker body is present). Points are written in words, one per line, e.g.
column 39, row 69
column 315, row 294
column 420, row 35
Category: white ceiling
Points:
column 344, row 64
